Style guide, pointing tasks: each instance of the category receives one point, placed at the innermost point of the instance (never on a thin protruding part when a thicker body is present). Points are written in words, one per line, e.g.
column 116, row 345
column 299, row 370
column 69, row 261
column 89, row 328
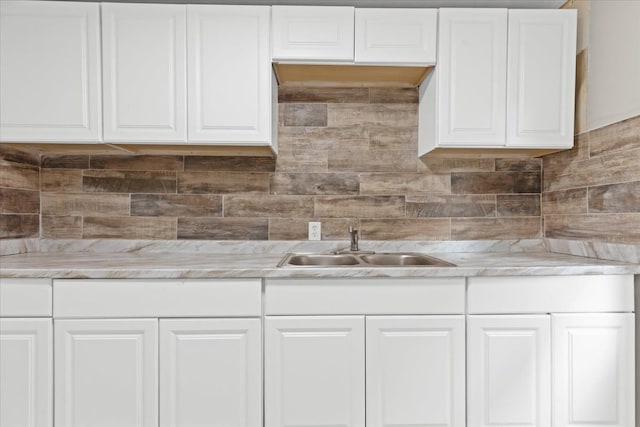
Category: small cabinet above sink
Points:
column 395, row 259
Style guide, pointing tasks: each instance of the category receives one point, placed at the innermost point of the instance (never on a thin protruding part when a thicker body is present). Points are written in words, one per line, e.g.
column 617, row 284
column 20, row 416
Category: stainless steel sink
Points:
column 395, row 259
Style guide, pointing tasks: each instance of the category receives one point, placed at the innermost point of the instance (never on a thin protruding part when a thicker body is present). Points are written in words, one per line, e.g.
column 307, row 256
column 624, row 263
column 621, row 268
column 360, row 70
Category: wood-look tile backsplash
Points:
column 346, row 156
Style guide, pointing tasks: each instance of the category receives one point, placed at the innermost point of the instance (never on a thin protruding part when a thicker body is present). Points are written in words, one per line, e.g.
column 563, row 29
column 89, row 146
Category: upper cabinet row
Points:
column 163, row 73
column 345, row 34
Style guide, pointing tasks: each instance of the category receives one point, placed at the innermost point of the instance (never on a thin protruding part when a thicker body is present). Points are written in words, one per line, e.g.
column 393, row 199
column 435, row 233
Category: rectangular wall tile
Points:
column 23, row 155
column 518, row 165
column 518, row 205
column 323, row 94
column 223, row 182
column 302, row 161
column 498, row 228
column 223, row 228
column 229, row 164
column 495, row 183
column 315, row 183
column 565, row 201
column 139, row 163
column 621, row 136
column 360, row 206
column 17, row 175
column 137, row 227
column 19, row 226
column 298, row 229
column 615, row 198
column 176, row 205
column 268, row 206
column 372, row 161
column 61, row 180
column 61, row 227
column 372, row 114
column 13, row 200
column 383, row 95
column 619, row 228
column 393, row 183
column 319, row 138
column 393, row 138
column 405, row 229
column 438, row 165
column 445, row 206
column 85, row 204
column 304, row 114
column 114, row 181
column 66, row 161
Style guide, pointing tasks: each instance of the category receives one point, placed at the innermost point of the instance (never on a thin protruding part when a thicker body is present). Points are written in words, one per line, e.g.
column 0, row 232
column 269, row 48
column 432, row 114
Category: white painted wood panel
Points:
column 157, row 298
column 26, row 373
column 472, row 77
column 144, row 60
column 550, row 294
column 50, row 71
column 415, row 371
column 210, row 372
column 25, row 297
column 312, row 33
column 442, row 295
column 541, row 78
column 593, row 370
column 397, row 36
column 229, row 74
column 106, row 373
column 315, row 371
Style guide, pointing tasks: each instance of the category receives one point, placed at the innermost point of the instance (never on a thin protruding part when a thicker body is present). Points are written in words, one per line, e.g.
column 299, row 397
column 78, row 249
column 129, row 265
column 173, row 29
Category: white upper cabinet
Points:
column 229, row 74
column 144, row 59
column 541, row 82
column 312, row 33
column 472, row 77
column 50, row 71
column 396, row 36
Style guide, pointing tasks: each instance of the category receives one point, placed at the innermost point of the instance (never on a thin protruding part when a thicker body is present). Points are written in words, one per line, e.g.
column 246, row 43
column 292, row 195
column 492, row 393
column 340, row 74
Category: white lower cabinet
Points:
column 415, row 371
column 106, row 373
column 210, row 372
column 26, row 374
column 509, row 370
column 314, row 371
column 593, row 370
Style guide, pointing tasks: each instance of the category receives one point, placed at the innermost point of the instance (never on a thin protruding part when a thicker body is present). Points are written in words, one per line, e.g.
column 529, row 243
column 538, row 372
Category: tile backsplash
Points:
column 19, row 193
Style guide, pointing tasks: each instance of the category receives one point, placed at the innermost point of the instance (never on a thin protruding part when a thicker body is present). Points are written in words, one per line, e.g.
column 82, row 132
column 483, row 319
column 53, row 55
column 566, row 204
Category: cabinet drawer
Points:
column 25, row 297
column 550, row 294
column 157, row 298
column 364, row 296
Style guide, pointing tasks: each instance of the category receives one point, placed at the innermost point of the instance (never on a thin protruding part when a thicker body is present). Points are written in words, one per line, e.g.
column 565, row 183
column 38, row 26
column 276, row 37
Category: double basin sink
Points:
column 394, row 259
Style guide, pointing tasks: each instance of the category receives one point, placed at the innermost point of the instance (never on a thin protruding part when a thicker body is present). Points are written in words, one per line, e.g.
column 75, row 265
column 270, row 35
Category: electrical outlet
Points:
column 315, row 231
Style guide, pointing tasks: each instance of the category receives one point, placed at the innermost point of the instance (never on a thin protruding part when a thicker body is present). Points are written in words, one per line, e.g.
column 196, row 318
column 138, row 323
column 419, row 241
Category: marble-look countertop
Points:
column 513, row 260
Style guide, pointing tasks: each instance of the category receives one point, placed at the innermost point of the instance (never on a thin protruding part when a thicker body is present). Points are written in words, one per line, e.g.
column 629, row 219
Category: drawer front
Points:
column 25, row 297
column 550, row 294
column 364, row 296
column 157, row 298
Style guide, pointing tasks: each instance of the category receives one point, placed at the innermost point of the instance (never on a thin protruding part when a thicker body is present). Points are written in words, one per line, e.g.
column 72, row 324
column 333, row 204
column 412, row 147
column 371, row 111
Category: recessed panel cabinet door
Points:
column 26, row 372
column 315, row 373
column 509, row 371
column 541, row 84
column 144, row 60
column 415, row 371
column 106, row 373
column 593, row 370
column 50, row 71
column 211, row 372
column 229, row 74
column 472, row 77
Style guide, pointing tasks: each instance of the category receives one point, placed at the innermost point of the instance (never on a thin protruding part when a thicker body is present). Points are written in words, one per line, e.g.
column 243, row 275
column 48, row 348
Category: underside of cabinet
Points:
column 489, row 153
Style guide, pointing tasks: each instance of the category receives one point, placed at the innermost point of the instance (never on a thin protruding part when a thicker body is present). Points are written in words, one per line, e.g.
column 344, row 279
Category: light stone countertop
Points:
column 218, row 260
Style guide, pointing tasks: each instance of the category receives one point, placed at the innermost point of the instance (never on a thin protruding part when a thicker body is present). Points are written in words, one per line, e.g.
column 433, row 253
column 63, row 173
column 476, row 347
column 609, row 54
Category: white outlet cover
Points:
column 315, row 231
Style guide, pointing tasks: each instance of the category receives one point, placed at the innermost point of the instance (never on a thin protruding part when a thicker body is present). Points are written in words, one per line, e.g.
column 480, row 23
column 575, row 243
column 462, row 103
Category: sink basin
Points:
column 396, row 259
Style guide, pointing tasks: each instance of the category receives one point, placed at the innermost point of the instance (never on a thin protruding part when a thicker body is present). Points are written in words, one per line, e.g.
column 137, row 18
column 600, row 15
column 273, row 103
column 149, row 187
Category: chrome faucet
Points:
column 354, row 239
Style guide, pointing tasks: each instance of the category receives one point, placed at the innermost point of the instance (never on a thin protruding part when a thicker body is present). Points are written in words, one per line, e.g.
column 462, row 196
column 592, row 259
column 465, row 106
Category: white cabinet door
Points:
column 106, row 373
column 541, row 82
column 315, row 373
column 593, row 370
column 50, row 71
column 415, row 371
column 26, row 372
column 229, row 74
column 472, row 77
column 144, row 60
column 398, row 36
column 211, row 372
column 509, row 371
column 312, row 33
